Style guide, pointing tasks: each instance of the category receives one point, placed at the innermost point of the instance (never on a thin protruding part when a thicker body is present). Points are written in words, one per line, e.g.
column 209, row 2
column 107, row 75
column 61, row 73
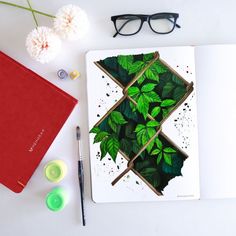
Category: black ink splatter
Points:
column 184, row 123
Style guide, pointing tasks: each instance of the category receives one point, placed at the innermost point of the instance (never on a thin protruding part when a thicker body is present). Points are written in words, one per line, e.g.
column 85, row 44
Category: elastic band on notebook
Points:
column 22, row 185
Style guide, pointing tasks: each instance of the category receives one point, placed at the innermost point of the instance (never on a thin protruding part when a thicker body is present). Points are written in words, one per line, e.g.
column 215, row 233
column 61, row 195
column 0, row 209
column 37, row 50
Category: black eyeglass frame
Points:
column 143, row 18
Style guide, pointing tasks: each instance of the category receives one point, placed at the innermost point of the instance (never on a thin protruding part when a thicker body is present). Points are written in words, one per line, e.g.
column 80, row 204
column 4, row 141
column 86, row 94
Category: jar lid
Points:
column 55, row 171
column 56, row 199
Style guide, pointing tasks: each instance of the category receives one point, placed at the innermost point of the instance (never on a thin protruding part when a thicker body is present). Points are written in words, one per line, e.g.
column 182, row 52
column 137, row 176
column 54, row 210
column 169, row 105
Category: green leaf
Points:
column 125, row 146
column 136, row 148
column 103, row 148
column 152, row 123
column 179, row 92
column 148, row 57
column 133, row 91
column 140, row 135
column 152, row 97
column 144, row 135
column 149, row 171
column 143, row 106
column 150, row 75
column 155, row 152
column 177, row 80
column 167, row 89
column 151, row 175
column 125, row 109
column 151, row 132
column 156, row 78
column 159, row 158
column 139, row 127
column 159, row 67
column 175, row 168
column 148, row 87
column 117, row 118
column 113, row 146
column 167, row 103
column 155, row 111
column 139, row 164
column 125, row 61
column 156, row 180
column 150, row 146
column 136, row 67
column 145, row 138
column 100, row 136
column 158, row 143
column 169, row 150
column 94, row 130
column 166, row 111
column 167, row 158
column 112, row 124
column 141, row 79
column 132, row 106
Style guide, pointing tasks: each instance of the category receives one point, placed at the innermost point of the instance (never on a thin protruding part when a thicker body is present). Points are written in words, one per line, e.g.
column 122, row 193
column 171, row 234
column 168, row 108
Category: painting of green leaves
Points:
column 133, row 126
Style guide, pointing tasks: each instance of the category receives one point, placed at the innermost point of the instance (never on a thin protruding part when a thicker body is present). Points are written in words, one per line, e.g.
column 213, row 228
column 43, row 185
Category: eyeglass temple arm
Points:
column 177, row 25
column 122, row 27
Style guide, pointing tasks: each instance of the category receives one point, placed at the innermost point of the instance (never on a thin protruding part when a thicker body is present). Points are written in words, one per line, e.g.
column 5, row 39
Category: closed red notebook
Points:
column 32, row 112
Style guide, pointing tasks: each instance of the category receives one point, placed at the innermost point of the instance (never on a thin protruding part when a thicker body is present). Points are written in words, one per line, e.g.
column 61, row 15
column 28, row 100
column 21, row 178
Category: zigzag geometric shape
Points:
column 152, row 91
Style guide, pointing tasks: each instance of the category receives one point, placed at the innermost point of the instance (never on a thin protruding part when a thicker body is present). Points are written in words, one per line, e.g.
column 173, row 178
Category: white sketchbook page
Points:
column 216, row 81
column 104, row 172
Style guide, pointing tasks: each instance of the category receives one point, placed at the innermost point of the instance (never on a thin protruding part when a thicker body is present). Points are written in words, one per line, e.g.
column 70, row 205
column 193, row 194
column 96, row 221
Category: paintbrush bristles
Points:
column 78, row 133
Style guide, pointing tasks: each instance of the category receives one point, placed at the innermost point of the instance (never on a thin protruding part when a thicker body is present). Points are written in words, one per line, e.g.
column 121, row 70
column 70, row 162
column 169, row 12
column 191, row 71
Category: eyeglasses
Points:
column 130, row 24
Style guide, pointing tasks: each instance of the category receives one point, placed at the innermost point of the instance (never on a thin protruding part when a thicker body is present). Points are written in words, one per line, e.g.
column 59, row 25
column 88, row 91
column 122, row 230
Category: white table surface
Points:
column 203, row 22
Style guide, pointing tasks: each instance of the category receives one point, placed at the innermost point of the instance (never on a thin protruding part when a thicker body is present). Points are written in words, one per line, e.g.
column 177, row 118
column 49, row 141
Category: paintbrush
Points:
column 80, row 174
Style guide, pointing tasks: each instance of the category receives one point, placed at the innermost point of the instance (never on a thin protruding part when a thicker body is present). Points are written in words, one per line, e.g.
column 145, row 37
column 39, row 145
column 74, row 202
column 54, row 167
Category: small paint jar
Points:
column 55, row 170
column 62, row 74
column 74, row 74
column 57, row 199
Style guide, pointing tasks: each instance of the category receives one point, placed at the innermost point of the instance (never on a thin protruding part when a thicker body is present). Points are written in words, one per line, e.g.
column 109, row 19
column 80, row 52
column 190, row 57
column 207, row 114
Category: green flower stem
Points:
column 26, row 8
column 35, row 20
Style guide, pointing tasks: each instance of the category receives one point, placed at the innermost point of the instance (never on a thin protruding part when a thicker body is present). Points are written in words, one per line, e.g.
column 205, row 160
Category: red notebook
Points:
column 32, row 112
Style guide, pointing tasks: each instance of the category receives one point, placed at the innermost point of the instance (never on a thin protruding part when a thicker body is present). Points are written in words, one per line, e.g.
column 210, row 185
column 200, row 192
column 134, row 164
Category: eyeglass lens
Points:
column 127, row 25
column 161, row 24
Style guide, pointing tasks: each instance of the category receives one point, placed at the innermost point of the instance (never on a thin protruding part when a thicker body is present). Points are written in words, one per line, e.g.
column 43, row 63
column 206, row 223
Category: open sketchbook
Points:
column 143, row 123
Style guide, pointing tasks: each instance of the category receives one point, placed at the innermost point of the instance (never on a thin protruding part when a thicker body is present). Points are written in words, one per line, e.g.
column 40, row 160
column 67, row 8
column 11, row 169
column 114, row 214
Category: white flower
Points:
column 71, row 22
column 43, row 44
